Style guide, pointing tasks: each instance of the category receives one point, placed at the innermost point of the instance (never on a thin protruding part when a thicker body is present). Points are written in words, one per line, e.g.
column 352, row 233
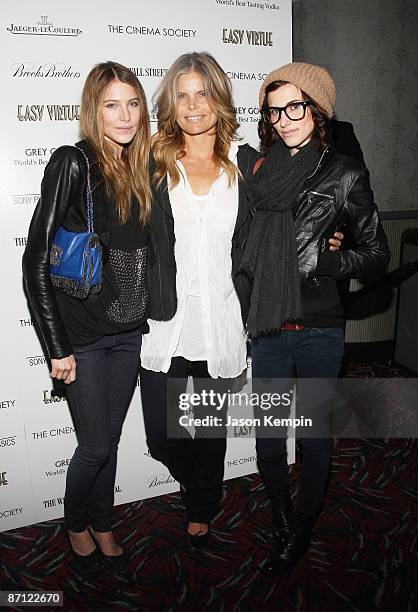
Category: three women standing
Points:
column 192, row 261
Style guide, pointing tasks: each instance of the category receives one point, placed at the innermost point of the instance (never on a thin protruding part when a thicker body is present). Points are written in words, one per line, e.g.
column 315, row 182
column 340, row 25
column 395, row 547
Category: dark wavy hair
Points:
column 268, row 135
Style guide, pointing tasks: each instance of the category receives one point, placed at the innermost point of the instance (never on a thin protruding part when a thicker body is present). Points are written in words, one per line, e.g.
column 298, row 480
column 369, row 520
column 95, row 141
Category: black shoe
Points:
column 197, row 541
column 290, row 549
column 86, row 565
column 282, row 512
column 117, row 564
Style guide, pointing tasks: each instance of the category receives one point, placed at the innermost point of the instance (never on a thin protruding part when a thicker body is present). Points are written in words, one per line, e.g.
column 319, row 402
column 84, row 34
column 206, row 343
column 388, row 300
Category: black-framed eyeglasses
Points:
column 295, row 111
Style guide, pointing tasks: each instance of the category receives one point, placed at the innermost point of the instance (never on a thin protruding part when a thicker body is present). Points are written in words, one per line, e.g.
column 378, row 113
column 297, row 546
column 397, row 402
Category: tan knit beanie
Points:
column 315, row 81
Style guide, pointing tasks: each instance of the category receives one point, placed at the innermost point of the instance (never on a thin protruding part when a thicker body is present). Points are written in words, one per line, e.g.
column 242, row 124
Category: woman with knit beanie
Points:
column 302, row 193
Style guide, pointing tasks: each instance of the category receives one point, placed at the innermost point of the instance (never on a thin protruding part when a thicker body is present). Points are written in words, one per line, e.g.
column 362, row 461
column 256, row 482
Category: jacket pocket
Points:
column 318, row 212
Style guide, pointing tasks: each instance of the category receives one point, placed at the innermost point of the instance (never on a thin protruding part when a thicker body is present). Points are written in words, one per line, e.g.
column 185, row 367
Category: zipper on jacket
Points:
column 318, row 164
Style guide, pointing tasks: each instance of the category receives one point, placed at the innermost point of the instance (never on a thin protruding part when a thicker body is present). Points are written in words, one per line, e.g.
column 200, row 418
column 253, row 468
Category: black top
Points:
column 122, row 303
column 321, row 305
column 63, row 203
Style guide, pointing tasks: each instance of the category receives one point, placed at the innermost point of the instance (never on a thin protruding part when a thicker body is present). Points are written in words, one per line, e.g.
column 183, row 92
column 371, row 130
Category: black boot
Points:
column 295, row 544
column 282, row 512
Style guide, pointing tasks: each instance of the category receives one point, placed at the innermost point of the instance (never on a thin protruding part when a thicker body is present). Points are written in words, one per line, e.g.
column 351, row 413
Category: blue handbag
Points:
column 75, row 258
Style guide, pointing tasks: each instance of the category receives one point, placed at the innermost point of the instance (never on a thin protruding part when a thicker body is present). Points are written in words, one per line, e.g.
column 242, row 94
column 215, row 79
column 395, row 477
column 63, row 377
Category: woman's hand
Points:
column 335, row 243
column 64, row 369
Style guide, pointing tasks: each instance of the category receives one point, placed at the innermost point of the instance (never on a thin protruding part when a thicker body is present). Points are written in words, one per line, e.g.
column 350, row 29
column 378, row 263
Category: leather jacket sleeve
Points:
column 63, row 183
column 161, row 261
column 247, row 158
column 371, row 253
column 368, row 253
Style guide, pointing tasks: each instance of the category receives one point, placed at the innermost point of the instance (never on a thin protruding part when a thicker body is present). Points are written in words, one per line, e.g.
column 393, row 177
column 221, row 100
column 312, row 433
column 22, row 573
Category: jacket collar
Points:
column 95, row 174
column 88, row 150
column 323, row 161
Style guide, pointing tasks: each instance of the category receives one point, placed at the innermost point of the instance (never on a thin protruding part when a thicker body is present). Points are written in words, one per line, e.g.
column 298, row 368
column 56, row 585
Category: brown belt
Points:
column 292, row 327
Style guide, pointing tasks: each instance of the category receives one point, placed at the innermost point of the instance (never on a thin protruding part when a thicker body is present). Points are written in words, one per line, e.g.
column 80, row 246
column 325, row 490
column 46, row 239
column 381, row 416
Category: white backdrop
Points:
column 47, row 50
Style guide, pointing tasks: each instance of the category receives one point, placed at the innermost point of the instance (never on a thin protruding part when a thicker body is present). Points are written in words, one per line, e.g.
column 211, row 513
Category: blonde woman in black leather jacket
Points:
column 94, row 343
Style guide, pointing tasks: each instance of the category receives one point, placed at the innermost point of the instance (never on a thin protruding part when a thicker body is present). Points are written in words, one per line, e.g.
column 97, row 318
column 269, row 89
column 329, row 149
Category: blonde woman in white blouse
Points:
column 200, row 219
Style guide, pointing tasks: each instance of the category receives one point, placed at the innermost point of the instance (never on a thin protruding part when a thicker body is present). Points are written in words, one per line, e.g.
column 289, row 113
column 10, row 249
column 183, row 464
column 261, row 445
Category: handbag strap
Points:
column 90, row 227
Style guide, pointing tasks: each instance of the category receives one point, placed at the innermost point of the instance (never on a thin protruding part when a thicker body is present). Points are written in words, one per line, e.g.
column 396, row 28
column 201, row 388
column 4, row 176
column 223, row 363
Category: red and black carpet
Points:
column 362, row 557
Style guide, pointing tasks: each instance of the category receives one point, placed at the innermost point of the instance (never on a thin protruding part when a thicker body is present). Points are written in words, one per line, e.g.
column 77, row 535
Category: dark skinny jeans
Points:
column 308, row 353
column 107, row 372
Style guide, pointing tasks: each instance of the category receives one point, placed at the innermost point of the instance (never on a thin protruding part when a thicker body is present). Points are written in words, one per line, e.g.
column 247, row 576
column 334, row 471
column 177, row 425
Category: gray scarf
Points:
column 270, row 256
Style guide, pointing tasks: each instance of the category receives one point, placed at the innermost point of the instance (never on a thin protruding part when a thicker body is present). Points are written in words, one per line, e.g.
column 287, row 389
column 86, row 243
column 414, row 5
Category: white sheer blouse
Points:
column 207, row 325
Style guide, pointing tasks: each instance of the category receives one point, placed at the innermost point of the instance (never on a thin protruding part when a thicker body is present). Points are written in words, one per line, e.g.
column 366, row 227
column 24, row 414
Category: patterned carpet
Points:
column 362, row 556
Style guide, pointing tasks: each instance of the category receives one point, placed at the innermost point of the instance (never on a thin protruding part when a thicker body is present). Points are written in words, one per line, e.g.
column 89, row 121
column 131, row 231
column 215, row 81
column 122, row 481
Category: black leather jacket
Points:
column 62, row 202
column 337, row 196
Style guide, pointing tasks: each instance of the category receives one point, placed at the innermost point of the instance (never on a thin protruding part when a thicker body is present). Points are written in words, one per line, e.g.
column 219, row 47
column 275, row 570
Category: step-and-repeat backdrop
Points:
column 47, row 50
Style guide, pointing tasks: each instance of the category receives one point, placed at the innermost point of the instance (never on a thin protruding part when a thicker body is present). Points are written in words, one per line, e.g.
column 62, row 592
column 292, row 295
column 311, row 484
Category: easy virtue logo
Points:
column 44, row 27
column 55, row 112
column 251, row 37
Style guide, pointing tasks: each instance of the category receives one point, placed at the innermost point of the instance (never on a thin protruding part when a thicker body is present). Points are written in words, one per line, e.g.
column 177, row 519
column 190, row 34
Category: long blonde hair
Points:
column 128, row 175
column 168, row 144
